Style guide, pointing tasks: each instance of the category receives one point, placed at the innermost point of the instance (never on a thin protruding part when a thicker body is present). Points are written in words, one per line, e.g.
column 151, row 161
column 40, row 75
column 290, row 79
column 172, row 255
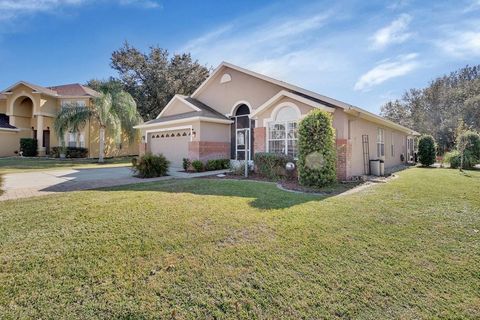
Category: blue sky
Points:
column 362, row 52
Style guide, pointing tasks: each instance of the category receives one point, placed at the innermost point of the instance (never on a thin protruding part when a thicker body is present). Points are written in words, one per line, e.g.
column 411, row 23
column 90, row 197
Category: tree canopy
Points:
column 437, row 108
column 153, row 78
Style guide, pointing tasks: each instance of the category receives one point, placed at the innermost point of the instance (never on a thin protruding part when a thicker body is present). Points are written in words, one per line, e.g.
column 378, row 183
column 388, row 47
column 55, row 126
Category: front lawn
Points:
column 202, row 248
column 17, row 164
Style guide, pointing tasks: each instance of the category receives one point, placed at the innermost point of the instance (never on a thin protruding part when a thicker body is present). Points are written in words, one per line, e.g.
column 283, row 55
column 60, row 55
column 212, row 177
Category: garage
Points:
column 172, row 144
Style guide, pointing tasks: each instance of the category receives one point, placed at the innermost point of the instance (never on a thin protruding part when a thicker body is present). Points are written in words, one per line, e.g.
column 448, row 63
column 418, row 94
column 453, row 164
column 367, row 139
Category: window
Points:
column 282, row 133
column 71, row 104
column 349, row 128
column 81, row 139
column 72, row 139
column 380, row 142
column 392, row 145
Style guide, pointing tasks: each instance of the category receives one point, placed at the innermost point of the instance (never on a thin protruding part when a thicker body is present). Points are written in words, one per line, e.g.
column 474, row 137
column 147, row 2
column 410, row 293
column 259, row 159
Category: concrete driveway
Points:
column 38, row 183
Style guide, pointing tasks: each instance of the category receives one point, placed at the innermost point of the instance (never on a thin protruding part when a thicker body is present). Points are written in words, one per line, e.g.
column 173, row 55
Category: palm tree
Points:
column 114, row 112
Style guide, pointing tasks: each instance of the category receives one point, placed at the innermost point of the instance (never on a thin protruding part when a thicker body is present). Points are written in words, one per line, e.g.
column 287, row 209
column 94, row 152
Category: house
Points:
column 28, row 111
column 237, row 112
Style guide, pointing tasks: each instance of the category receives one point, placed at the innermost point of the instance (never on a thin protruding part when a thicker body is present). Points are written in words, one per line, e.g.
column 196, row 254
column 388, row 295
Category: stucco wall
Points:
column 3, row 106
column 214, row 132
column 361, row 127
column 10, row 142
column 177, row 107
column 242, row 87
column 112, row 149
column 267, row 115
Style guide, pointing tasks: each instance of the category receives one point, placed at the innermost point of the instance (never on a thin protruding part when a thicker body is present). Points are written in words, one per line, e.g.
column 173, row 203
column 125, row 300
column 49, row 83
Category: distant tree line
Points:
column 152, row 78
column 438, row 108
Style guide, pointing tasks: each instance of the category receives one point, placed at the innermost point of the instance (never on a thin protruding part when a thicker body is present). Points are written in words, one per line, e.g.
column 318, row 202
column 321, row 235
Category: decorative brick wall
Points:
column 344, row 154
column 208, row 150
column 259, row 138
column 142, row 148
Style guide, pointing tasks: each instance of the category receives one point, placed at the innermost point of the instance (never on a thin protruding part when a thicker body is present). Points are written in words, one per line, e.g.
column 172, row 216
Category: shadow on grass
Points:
column 264, row 195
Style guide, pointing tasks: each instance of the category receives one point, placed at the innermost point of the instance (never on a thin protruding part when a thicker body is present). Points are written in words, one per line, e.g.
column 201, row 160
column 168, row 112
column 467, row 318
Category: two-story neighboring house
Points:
column 29, row 111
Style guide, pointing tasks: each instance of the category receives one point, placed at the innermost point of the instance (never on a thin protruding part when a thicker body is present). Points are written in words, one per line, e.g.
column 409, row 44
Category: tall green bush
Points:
column 426, row 150
column 29, row 147
column 317, row 153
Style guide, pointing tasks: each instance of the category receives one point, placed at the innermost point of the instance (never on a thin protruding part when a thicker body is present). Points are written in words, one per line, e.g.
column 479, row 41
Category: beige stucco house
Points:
column 28, row 111
column 237, row 112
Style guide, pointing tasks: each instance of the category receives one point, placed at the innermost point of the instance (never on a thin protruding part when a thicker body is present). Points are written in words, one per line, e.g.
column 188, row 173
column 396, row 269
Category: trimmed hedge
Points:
column 198, row 165
column 426, row 150
column 70, row 152
column 29, row 147
column 271, row 165
column 217, row 164
column 317, row 152
column 150, row 166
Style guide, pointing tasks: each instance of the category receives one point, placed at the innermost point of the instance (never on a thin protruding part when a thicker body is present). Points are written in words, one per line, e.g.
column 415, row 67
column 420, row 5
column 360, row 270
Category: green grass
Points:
column 200, row 248
column 10, row 165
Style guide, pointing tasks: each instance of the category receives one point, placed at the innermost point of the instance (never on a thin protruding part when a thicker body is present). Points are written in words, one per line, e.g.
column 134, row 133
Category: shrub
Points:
column 29, row 147
column 70, row 152
column 217, row 164
column 150, row 166
column 426, row 150
column 471, row 142
column 317, row 152
column 186, row 163
column 197, row 165
column 452, row 158
column 271, row 165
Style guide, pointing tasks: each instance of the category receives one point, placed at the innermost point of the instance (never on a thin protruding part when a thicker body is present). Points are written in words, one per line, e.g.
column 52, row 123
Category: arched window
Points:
column 282, row 132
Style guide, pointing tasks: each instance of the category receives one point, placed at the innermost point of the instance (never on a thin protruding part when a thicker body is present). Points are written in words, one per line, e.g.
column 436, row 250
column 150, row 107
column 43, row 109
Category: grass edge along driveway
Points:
column 202, row 248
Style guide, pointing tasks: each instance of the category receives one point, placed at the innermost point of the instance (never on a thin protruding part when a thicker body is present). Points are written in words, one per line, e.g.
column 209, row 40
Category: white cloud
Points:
column 148, row 4
column 10, row 9
column 387, row 69
column 395, row 32
column 272, row 46
column 462, row 44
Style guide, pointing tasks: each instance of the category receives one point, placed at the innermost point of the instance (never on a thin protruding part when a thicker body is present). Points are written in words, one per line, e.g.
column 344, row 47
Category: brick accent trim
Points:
column 344, row 155
column 208, row 150
column 259, row 139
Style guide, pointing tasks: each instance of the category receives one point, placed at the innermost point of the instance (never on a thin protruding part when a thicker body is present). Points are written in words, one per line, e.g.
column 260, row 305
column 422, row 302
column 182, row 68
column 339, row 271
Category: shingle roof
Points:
column 205, row 111
column 74, row 89
column 4, row 123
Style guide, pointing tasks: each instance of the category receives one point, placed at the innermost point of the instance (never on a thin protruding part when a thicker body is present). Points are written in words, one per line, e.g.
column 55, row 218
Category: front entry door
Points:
column 46, row 141
column 243, row 144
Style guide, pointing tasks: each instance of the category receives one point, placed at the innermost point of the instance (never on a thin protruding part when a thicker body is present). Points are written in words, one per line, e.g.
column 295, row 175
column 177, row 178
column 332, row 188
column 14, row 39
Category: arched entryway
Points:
column 241, row 133
column 22, row 111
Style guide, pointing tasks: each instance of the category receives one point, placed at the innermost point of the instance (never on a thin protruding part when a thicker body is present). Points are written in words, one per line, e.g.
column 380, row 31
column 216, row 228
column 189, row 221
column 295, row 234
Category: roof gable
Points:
column 330, row 102
column 34, row 87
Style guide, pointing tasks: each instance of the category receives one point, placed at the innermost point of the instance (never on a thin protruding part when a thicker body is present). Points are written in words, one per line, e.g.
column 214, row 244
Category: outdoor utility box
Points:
column 375, row 167
column 382, row 167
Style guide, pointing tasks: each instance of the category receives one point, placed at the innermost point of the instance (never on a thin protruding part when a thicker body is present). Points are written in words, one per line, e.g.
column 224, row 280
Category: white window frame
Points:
column 285, row 139
column 380, row 142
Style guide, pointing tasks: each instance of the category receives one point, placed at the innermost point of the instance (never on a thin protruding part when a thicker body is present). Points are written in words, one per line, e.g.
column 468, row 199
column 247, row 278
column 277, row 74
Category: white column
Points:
column 41, row 149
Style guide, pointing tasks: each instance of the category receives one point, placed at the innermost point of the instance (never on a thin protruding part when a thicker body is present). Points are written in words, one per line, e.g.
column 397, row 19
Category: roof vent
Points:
column 226, row 78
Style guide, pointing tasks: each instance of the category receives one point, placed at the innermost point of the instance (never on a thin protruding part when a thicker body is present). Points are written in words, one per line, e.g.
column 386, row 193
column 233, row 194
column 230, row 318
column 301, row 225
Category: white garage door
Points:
column 172, row 144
